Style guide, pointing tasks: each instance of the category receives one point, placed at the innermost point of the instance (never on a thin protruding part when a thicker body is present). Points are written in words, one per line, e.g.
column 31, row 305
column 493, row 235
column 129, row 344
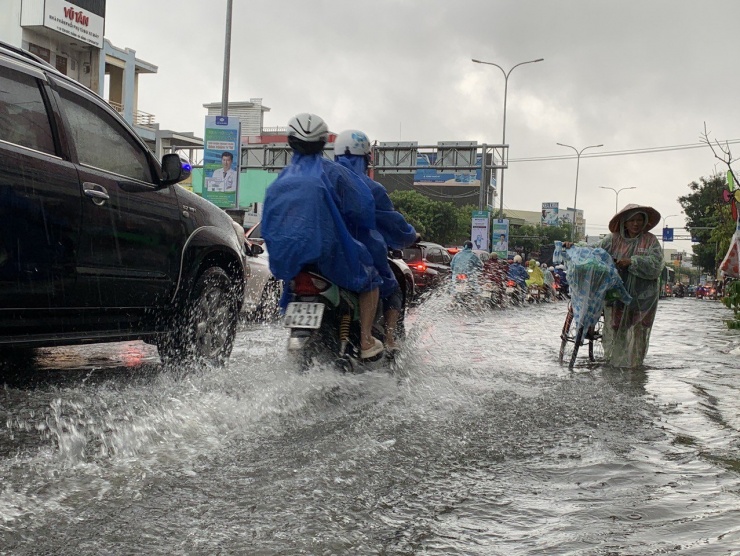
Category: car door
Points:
column 40, row 208
column 132, row 234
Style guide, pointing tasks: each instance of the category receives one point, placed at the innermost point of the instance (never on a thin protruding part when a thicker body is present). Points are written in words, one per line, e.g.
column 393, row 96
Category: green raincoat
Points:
column 627, row 327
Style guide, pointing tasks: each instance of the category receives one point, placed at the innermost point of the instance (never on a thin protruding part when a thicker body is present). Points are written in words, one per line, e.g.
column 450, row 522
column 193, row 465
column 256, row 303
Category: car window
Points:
column 446, row 259
column 434, row 255
column 23, row 117
column 101, row 141
column 411, row 254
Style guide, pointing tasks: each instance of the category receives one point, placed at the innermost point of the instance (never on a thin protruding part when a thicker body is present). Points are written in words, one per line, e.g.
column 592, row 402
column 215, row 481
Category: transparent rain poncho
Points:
column 591, row 274
column 627, row 325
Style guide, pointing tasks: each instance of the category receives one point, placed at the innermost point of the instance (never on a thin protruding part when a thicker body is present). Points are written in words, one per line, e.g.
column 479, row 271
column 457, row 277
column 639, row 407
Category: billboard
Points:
column 550, row 214
column 500, row 237
column 426, row 174
column 479, row 229
column 221, row 150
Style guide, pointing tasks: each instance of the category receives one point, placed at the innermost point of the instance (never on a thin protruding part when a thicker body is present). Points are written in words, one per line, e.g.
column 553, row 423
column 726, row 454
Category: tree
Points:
column 535, row 239
column 709, row 220
column 437, row 221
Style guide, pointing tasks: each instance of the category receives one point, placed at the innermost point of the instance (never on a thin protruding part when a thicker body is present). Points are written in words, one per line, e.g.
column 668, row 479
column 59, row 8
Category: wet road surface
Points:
column 479, row 443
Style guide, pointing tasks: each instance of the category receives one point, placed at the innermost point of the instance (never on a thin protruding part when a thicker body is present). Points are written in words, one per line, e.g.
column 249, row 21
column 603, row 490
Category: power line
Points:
column 624, row 152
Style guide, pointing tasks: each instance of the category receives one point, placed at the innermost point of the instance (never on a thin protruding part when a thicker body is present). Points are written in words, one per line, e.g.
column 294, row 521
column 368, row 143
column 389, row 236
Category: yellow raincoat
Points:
column 536, row 278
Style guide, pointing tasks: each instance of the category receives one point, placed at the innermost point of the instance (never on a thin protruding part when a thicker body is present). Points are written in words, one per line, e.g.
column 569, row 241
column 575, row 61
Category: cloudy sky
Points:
column 631, row 74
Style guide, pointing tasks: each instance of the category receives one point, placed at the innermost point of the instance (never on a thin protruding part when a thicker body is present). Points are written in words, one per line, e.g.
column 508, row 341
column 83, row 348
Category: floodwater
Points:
column 479, row 444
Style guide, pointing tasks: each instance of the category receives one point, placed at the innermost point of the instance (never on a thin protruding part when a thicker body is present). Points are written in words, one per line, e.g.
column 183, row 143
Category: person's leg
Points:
column 368, row 308
column 391, row 320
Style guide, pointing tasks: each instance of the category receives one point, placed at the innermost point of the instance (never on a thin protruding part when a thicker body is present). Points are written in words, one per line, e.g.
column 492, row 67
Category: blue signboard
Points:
column 667, row 234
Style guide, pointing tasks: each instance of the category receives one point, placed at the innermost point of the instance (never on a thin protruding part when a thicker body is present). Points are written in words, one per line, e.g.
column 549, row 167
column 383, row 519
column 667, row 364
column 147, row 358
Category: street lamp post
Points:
column 616, row 191
column 503, row 140
column 575, row 198
column 227, row 61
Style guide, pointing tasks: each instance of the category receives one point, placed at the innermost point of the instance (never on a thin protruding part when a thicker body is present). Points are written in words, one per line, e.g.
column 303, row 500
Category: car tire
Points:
column 205, row 327
column 269, row 307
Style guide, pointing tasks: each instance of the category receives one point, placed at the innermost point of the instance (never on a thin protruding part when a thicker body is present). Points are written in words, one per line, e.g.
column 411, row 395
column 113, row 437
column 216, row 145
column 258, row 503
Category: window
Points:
column 101, row 141
column 23, row 117
column 434, row 255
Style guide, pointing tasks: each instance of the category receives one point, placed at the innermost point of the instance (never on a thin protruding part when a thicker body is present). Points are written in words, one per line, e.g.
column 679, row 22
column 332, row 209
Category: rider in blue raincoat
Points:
column 466, row 262
column 308, row 218
column 518, row 273
column 352, row 151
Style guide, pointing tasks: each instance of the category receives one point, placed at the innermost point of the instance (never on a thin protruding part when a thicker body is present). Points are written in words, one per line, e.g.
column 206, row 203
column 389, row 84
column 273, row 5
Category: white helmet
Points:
column 308, row 127
column 352, row 141
column 517, row 258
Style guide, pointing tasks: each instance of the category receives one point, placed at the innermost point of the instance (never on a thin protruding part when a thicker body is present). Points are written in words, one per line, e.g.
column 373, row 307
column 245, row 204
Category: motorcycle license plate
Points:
column 461, row 287
column 303, row 315
column 509, row 290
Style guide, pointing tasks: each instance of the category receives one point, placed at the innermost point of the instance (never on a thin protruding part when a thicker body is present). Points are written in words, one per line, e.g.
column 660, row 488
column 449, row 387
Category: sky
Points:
column 628, row 74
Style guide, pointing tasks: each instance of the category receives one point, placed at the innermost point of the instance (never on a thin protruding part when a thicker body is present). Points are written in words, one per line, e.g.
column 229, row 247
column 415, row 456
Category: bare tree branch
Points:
column 726, row 157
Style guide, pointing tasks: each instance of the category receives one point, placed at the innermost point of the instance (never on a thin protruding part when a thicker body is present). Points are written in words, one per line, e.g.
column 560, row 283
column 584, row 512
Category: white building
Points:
column 251, row 114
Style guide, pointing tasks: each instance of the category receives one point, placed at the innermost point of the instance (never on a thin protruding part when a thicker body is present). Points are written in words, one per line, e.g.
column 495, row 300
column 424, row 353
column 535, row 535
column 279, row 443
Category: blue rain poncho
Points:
column 627, row 324
column 304, row 222
column 591, row 274
column 392, row 230
column 519, row 274
column 465, row 262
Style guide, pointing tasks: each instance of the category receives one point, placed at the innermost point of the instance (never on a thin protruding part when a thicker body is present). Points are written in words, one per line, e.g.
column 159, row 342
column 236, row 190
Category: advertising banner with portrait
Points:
column 550, row 214
column 500, row 238
column 479, row 230
column 222, row 147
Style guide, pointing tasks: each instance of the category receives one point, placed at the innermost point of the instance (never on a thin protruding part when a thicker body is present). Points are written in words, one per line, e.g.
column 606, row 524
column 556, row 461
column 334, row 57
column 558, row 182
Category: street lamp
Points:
column 616, row 201
column 575, row 198
column 503, row 140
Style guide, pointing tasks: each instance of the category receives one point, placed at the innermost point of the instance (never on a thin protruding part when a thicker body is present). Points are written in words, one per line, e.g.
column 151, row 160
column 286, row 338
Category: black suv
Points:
column 429, row 262
column 97, row 243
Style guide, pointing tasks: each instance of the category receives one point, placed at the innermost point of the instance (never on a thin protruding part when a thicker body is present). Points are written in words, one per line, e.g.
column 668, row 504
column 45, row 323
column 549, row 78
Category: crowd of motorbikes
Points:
column 497, row 287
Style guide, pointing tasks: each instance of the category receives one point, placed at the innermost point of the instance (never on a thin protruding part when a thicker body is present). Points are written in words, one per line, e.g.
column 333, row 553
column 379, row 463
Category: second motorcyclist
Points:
column 352, row 150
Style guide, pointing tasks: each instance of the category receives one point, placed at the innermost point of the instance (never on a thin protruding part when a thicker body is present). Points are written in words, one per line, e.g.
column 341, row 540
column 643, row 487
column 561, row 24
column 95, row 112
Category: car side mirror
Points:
column 257, row 249
column 396, row 254
column 174, row 169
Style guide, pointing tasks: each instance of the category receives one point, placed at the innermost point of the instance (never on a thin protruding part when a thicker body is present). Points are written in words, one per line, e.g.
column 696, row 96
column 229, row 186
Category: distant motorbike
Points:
column 516, row 294
column 324, row 319
column 466, row 291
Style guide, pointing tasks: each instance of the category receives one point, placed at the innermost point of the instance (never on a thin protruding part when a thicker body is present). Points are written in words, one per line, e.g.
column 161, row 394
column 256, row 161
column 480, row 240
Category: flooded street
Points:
column 480, row 443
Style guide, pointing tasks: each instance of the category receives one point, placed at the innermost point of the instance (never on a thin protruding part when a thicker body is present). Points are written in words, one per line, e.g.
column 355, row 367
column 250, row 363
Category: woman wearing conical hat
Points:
column 639, row 258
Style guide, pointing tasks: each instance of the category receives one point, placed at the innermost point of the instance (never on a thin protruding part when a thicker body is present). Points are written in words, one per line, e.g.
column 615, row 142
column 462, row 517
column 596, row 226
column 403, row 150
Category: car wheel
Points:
column 206, row 326
column 269, row 307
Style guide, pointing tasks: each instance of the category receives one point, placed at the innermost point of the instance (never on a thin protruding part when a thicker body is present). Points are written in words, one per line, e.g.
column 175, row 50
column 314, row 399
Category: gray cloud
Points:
column 628, row 74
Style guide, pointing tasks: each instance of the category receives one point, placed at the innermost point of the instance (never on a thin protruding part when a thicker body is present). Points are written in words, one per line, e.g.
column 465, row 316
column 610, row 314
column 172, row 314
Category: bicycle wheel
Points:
column 567, row 337
column 595, row 347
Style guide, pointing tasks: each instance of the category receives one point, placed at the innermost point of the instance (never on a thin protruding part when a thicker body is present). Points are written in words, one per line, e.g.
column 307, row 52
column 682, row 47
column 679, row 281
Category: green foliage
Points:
column 534, row 238
column 704, row 207
column 437, row 221
column 732, row 301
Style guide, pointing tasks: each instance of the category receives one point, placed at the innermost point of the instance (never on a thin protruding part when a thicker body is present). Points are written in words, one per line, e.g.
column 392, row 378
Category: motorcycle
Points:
column 466, row 292
column 324, row 320
column 515, row 292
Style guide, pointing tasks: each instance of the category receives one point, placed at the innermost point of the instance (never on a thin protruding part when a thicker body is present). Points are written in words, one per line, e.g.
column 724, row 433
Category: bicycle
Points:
column 591, row 273
column 575, row 336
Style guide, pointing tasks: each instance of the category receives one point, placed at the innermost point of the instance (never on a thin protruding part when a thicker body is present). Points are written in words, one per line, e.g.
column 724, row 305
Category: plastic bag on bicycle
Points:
column 591, row 274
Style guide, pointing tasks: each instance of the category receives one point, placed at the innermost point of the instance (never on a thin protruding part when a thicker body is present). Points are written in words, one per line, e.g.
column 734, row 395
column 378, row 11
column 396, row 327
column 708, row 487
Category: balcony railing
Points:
column 143, row 119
